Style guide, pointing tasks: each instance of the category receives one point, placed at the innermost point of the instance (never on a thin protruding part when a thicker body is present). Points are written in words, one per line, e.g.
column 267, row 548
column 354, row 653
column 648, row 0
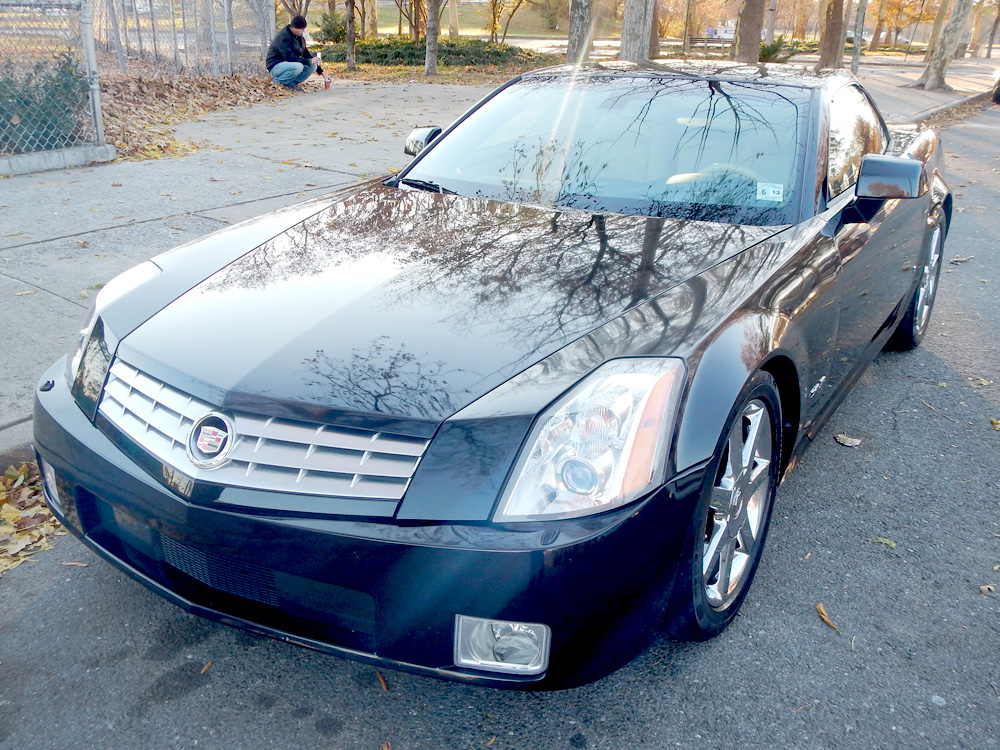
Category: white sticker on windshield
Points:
column 769, row 191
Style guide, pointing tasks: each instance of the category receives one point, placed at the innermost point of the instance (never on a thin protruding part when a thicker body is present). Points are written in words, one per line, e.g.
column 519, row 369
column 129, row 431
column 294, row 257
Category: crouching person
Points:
column 288, row 60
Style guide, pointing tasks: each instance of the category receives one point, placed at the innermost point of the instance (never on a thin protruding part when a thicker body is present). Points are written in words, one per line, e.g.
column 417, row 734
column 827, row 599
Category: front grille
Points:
column 244, row 580
column 268, row 454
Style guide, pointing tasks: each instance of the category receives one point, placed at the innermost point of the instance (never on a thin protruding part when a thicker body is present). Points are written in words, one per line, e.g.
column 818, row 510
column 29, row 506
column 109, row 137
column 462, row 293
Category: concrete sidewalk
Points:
column 65, row 233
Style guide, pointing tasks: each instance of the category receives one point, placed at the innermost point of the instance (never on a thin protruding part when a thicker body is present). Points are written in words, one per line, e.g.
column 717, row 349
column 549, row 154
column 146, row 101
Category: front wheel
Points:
column 913, row 326
column 727, row 534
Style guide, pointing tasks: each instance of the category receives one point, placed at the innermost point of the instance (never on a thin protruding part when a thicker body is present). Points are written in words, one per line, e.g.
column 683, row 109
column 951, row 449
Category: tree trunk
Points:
column 636, row 22
column 939, row 20
column 977, row 28
column 581, row 29
column 859, row 28
column 821, row 7
column 933, row 75
column 372, row 19
column 831, row 53
column 749, row 23
column 349, row 55
column 801, row 20
column 654, row 34
column 879, row 24
column 848, row 7
column 431, row 47
column 993, row 33
column 453, row 19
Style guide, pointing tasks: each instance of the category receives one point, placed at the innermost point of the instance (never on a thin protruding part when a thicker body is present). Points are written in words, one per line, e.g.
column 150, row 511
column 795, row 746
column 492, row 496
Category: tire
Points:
column 911, row 329
column 729, row 526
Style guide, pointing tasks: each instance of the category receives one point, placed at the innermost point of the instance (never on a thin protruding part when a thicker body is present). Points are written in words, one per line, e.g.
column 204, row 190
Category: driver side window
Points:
column 855, row 130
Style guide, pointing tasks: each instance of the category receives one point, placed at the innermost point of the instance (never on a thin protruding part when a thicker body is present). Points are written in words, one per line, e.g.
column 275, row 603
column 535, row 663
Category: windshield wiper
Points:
column 430, row 187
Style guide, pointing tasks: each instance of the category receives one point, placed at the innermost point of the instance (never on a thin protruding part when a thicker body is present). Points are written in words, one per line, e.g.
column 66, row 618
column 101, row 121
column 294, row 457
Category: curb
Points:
column 929, row 113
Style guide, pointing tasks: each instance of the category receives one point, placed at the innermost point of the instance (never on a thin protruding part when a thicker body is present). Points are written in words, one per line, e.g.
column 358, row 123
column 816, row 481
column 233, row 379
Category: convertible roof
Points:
column 796, row 75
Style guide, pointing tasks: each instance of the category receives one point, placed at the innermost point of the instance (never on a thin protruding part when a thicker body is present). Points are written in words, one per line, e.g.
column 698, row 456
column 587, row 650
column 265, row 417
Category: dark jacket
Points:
column 286, row 47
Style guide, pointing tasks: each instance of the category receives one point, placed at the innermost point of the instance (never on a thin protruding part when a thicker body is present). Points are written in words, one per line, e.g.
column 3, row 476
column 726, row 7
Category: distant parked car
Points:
column 500, row 417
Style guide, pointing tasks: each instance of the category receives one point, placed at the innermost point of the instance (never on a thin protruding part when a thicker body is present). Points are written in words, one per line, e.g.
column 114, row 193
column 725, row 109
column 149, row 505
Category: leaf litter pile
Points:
column 140, row 111
column 26, row 523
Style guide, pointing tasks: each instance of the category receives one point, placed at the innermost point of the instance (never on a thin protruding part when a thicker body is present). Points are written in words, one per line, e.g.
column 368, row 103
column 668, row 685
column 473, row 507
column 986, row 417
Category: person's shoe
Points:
column 293, row 86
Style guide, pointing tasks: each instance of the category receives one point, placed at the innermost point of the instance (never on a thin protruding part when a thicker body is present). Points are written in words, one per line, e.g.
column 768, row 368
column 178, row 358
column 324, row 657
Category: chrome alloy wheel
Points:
column 738, row 505
column 927, row 287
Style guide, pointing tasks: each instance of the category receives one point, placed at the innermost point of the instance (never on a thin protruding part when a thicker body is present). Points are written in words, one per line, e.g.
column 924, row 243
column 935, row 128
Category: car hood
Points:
column 413, row 304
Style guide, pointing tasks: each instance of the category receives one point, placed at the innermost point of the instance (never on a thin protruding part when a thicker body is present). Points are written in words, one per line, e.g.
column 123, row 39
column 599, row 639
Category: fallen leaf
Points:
column 25, row 294
column 995, row 423
column 82, row 243
column 207, row 666
column 821, row 610
column 978, row 382
column 83, row 293
column 807, row 555
column 116, row 184
column 382, row 682
column 15, row 120
column 989, row 588
column 491, row 740
column 387, row 745
column 956, row 261
column 74, row 564
column 884, row 540
column 848, row 441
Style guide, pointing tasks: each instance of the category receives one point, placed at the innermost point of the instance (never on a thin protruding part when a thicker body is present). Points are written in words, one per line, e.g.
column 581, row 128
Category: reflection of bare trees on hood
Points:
column 539, row 275
column 383, row 381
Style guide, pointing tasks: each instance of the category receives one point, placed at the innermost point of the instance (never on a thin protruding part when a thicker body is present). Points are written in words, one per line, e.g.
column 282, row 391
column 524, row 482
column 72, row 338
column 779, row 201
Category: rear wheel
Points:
column 727, row 534
column 914, row 324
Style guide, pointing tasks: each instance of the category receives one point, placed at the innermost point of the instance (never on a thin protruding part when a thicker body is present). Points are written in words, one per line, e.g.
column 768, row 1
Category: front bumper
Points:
column 372, row 590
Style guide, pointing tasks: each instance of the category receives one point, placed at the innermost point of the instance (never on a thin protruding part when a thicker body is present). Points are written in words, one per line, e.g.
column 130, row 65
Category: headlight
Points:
column 90, row 357
column 115, row 289
column 600, row 446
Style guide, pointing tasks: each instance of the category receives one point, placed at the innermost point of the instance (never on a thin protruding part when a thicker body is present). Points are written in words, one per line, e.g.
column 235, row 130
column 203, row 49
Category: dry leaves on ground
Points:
column 140, row 112
column 821, row 611
column 26, row 523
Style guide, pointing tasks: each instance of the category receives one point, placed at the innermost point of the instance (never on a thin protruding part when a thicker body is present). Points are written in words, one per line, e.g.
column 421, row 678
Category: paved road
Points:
column 90, row 659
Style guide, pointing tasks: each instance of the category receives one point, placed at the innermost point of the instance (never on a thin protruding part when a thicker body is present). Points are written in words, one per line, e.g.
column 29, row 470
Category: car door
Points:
column 877, row 255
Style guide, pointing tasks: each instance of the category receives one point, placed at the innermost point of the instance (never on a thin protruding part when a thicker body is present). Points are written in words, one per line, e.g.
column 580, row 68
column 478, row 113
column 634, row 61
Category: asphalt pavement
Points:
column 89, row 658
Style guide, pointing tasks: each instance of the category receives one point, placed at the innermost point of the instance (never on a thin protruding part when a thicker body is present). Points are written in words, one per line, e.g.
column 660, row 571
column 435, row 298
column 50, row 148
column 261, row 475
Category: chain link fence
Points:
column 48, row 77
column 201, row 37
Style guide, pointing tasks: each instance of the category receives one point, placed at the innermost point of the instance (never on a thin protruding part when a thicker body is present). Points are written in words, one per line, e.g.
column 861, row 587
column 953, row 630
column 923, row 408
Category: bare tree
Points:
column 879, row 24
column 349, row 53
column 939, row 20
column 636, row 25
column 831, row 51
column 933, row 75
column 431, row 43
column 453, row 19
column 749, row 24
column 581, row 30
column 859, row 28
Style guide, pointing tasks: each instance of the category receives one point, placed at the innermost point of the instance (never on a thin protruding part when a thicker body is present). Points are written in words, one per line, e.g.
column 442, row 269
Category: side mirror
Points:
column 418, row 139
column 890, row 177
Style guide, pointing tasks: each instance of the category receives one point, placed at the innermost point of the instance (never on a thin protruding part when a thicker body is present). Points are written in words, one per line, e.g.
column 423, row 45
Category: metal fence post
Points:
column 90, row 60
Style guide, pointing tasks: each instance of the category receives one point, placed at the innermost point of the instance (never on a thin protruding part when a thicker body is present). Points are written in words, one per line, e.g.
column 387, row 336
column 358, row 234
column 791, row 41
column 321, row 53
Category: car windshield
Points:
column 652, row 146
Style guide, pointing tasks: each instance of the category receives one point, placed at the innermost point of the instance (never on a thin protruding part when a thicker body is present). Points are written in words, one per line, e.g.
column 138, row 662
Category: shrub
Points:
column 775, row 51
column 39, row 109
column 396, row 50
column 332, row 28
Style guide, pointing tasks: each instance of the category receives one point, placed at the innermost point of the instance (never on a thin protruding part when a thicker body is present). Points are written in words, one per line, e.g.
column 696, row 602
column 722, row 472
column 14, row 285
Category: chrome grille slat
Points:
column 278, row 455
column 329, row 437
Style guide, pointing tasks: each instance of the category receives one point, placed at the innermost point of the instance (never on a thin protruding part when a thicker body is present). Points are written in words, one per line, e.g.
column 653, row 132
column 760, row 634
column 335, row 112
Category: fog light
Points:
column 501, row 645
column 49, row 484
